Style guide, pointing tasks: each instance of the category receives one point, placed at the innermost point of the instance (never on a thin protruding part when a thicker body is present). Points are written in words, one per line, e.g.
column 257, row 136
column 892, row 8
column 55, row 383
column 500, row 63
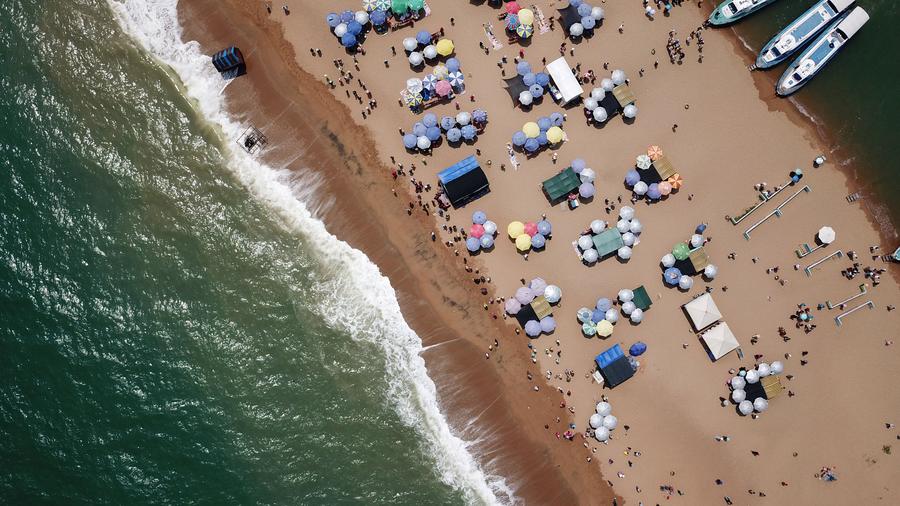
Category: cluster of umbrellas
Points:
column 534, row 135
column 397, row 7
column 603, row 421
column 423, row 39
column 525, row 295
column 481, row 233
column 629, row 308
column 587, row 175
column 653, row 191
column 592, row 106
column 443, row 81
column 598, row 321
column 537, row 83
column 529, row 235
column 347, row 26
column 590, row 16
column 628, row 226
column 746, row 406
column 463, row 126
column 518, row 20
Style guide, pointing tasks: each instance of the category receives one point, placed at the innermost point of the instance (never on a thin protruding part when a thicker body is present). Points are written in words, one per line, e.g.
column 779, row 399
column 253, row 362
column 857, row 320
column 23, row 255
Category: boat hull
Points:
column 718, row 17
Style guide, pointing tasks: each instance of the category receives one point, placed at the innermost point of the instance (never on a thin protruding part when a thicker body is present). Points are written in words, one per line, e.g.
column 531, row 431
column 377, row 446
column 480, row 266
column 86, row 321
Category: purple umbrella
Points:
column 528, row 79
column 548, row 324
column 473, row 244
column 433, row 133
column 454, row 134
column 478, row 217
column 452, row 65
column 479, row 116
column 538, row 241
column 588, row 22
column 346, row 16
column 542, row 79
column 584, row 10
column 533, row 328
column 378, row 18
column 632, row 177
column 348, row 40
column 354, row 27
column 333, row 19
column 429, row 120
column 512, row 306
column 542, row 139
column 604, row 304
column 544, row 123
column 512, row 21
column 544, row 228
column 653, row 191
column 578, row 165
column 423, row 37
column 419, row 129
column 586, row 190
column 524, row 295
column 597, row 315
column 523, row 67
column 448, row 122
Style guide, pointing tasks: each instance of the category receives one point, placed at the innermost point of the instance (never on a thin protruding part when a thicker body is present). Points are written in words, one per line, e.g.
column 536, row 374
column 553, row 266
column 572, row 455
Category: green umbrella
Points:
column 399, row 6
column 681, row 251
column 416, row 4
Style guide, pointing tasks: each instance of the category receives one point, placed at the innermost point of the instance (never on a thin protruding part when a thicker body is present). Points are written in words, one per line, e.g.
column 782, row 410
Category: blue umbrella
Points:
column 584, row 10
column 578, row 165
column 448, row 122
column 700, row 228
column 487, row 241
column 346, row 16
column 409, row 141
column 588, row 22
column 604, row 304
column 544, row 228
column 473, row 244
column 637, row 349
column 671, row 276
column 653, row 191
column 532, row 145
column 452, row 65
column 456, row 79
column 378, row 18
column 468, row 132
column 542, row 139
column 557, row 119
column 575, row 3
column 419, row 129
column 529, row 79
column 429, row 81
column 538, row 241
column 348, row 40
column 479, row 116
column 542, row 79
column 354, row 27
column 518, row 138
column 333, row 19
column 536, row 90
column 632, row 177
column 433, row 133
column 523, row 67
column 454, row 134
column 597, row 315
column 423, row 37
column 544, row 123
column 479, row 217
column 429, row 120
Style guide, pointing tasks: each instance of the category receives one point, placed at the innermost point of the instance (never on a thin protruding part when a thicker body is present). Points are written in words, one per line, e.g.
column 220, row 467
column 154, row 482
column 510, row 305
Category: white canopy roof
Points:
column 720, row 340
column 703, row 311
column 565, row 81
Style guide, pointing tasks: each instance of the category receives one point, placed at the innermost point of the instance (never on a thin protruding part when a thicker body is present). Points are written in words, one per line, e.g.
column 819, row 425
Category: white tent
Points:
column 703, row 311
column 720, row 340
column 561, row 73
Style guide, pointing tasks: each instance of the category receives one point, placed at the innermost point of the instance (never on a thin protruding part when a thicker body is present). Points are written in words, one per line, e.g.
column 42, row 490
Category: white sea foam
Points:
column 357, row 297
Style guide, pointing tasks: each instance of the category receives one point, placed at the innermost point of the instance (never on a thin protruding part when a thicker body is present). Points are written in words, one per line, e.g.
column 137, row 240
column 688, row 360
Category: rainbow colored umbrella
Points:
column 414, row 100
column 512, row 21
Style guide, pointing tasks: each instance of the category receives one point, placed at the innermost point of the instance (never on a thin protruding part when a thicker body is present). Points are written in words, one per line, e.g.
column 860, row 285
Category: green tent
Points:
column 641, row 299
column 562, row 184
column 608, row 241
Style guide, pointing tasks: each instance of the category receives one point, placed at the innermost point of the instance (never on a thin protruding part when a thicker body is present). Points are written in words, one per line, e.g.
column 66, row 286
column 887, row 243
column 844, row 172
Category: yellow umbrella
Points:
column 555, row 135
column 444, row 47
column 604, row 328
column 526, row 17
column 523, row 242
column 531, row 129
column 441, row 71
column 515, row 229
column 654, row 152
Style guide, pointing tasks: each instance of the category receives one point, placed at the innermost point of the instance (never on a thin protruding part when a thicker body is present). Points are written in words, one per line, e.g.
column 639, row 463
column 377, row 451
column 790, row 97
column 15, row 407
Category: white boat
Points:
column 730, row 11
column 821, row 51
column 800, row 31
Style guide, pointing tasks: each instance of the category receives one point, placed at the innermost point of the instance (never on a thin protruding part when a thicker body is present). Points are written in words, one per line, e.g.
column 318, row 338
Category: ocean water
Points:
column 854, row 100
column 177, row 327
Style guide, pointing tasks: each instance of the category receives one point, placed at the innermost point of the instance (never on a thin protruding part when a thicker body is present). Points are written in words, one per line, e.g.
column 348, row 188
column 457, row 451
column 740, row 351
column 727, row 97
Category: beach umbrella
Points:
column 542, row 139
column 612, row 316
column 671, row 276
column 410, row 44
column 696, row 240
column 340, row 30
column 476, row 230
column 603, row 408
column 441, row 71
column 544, row 123
column 473, row 244
column 419, row 129
column 515, row 229
column 519, row 138
column 530, row 228
column 512, row 7
column 479, row 116
column 588, row 329
column 752, row 376
column 597, row 13
column 430, row 119
column 537, row 286
column 532, row 328
column 598, row 226
column 710, row 271
column 536, row 90
column 442, row 88
column 607, row 84
column 618, row 77
column 636, row 316
column 584, row 315
column 586, row 190
column 643, row 162
column 552, row 293
column 526, row 17
column 591, row 104
column 738, row 383
column 675, row 181
column 626, row 213
column 512, row 306
column 523, row 67
column 444, row 47
column 654, row 152
column 578, row 165
column 776, row 368
column 641, row 188
column 760, row 404
column 416, row 4
column 637, row 349
column 603, row 304
column 548, row 324
column 382, row 5
column 454, row 134
column 557, row 118
column 544, row 228
column 346, row 16
column 523, row 242
column 668, row 260
column 738, row 396
column 598, row 94
column 600, row 115
column 826, row 235
column 596, row 420
column 763, row 369
column 681, row 251
column 601, row 434
column 468, row 132
column 532, row 145
column 653, row 191
column 448, row 122
column 453, row 64
column 632, row 177
column 700, row 228
column 399, row 6
column 625, row 295
column 587, row 175
column 414, row 85
column 585, row 242
column 628, row 238
column 524, row 295
column 588, row 23
column 610, row 422
column 433, row 133
column 745, row 407
column 555, row 135
column 428, row 83
column 604, row 328
column 463, row 118
column 409, row 141
column 368, row 5
column 590, row 255
column 685, row 282
column 543, row 79
column 415, row 58
column 423, row 37
column 414, row 100
column 512, row 22
column 584, row 9
column 624, row 253
column 490, row 228
column 361, row 17
column 622, row 225
column 456, row 79
column 525, row 98
column 378, row 17
column 333, row 19
column 430, row 52
column 576, row 30
column 524, row 31
column 636, row 227
column 348, row 40
column 531, row 129
column 630, row 111
column 423, row 143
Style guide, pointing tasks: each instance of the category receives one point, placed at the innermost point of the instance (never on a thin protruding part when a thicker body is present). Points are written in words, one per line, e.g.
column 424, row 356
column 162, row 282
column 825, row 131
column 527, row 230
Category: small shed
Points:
column 559, row 186
column 464, row 181
column 614, row 366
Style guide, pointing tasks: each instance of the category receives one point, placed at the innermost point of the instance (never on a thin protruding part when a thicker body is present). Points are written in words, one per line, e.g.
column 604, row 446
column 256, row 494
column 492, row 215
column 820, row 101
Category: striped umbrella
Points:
column 428, row 81
column 382, row 5
column 512, row 21
column 676, row 181
column 654, row 152
column 369, row 5
column 456, row 79
column 525, row 31
column 414, row 100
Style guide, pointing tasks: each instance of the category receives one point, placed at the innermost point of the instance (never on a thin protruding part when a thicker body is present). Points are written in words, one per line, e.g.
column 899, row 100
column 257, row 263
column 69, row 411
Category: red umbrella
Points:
column 531, row 228
column 442, row 88
column 512, row 8
column 476, row 231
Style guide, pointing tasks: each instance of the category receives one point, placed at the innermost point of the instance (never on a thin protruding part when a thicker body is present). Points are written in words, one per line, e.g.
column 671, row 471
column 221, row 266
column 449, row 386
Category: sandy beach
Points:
column 732, row 133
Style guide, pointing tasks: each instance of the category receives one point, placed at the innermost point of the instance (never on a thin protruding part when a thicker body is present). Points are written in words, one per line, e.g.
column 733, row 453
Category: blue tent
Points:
column 614, row 366
column 463, row 181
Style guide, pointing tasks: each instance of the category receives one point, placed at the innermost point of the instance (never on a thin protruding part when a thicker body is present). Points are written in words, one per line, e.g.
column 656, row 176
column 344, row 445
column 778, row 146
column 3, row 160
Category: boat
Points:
column 730, row 11
column 821, row 51
column 800, row 31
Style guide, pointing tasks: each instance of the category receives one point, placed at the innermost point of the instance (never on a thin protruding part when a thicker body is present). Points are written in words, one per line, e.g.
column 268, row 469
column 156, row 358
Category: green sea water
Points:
column 168, row 335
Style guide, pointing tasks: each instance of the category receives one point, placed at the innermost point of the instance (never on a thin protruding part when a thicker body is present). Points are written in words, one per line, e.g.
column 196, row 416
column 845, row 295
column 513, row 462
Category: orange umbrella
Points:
column 675, row 181
column 654, row 152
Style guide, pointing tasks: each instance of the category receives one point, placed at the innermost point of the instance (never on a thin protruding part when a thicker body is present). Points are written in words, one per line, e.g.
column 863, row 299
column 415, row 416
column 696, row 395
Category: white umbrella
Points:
column 598, row 93
column 625, row 295
column 610, row 422
column 738, row 396
column 490, row 228
column 777, row 367
column 587, row 175
column 430, row 52
column 598, row 226
column 628, row 238
column 552, row 293
column 628, row 308
column 752, row 376
column 611, row 316
column 340, row 29
column 463, row 118
column 637, row 315
column 414, row 85
column 585, row 242
column 362, row 17
column 456, row 79
column 604, row 408
column 710, row 271
column 643, row 162
column 415, row 58
column 600, row 115
column 624, row 253
column 738, row 383
column 759, row 404
column 576, row 30
column 630, row 111
column 641, row 188
column 597, row 13
column 525, row 98
column 636, row 227
column 626, row 213
column 685, row 282
column 623, row 225
column 602, row 434
column 668, row 260
column 607, row 84
column 826, row 235
column 763, row 369
column 410, row 44
column 590, row 256
column 590, row 103
column 745, row 407
column 596, row 421
column 423, row 143
column 618, row 77
column 696, row 240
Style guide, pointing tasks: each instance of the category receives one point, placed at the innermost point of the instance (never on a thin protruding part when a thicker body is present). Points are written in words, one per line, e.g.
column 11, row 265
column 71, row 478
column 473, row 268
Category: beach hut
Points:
column 463, row 181
column 641, row 298
column 702, row 311
column 719, row 341
column 608, row 242
column 567, row 85
column 559, row 186
column 614, row 366
column 230, row 62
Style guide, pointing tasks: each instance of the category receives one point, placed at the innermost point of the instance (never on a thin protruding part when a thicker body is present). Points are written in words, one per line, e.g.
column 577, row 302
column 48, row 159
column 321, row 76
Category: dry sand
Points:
column 734, row 134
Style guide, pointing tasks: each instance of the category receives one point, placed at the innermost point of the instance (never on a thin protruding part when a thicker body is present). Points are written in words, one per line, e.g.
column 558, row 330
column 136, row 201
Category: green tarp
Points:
column 608, row 241
column 562, row 184
column 641, row 299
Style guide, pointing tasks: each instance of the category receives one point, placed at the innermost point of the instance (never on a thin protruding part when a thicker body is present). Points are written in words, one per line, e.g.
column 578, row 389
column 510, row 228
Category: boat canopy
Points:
column 840, row 5
column 853, row 22
column 565, row 81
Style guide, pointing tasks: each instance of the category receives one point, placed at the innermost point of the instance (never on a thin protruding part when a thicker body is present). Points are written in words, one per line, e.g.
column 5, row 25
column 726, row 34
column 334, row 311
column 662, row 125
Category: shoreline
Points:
column 425, row 305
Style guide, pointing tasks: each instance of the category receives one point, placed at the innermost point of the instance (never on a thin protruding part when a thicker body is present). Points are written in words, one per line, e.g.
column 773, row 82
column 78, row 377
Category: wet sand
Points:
column 732, row 133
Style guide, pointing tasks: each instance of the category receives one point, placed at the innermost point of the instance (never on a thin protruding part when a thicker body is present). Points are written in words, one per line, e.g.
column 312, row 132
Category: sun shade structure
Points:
column 607, row 242
column 541, row 307
column 565, row 81
column 641, row 299
column 624, row 95
column 464, row 181
column 614, row 366
column 771, row 386
column 702, row 311
column 560, row 185
column 568, row 17
column 664, row 167
column 699, row 259
column 230, row 60
column 720, row 341
column 514, row 87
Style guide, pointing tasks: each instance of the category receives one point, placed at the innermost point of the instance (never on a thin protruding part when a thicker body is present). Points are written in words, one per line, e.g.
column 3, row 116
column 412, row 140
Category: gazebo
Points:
column 607, row 242
column 559, row 186
column 702, row 311
column 719, row 341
